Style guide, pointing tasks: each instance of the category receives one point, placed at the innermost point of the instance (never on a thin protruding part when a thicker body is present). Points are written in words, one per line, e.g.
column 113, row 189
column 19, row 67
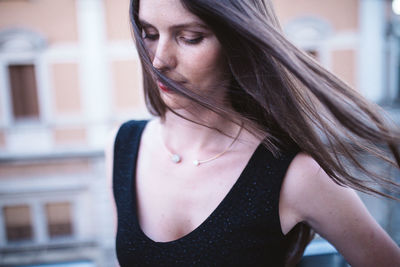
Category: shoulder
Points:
column 304, row 174
column 336, row 213
column 296, row 185
column 308, row 193
column 303, row 166
column 130, row 129
column 122, row 133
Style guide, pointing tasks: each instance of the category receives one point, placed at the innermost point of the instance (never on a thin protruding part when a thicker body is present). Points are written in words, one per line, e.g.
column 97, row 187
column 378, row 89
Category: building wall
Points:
column 320, row 26
column 75, row 180
column 66, row 89
column 54, row 19
column 117, row 18
column 59, row 157
column 332, row 11
column 126, row 80
column 87, row 70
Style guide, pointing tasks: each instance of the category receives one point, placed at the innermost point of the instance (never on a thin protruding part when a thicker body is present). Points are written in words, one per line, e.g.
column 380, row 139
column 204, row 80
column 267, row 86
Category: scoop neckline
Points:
column 205, row 222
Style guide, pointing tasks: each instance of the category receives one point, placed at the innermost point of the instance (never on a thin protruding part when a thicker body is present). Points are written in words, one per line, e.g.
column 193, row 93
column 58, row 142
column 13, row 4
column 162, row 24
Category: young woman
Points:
column 249, row 149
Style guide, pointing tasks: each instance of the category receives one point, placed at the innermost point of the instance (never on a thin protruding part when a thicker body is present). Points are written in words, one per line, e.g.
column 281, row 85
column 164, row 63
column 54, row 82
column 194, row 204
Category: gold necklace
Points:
column 176, row 158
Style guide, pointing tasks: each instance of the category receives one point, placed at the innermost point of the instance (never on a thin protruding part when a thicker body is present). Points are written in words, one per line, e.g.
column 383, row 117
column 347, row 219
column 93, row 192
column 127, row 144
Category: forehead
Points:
column 165, row 12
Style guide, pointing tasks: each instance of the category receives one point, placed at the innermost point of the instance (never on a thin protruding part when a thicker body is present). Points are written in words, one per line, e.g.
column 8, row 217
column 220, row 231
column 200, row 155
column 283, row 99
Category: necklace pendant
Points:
column 196, row 162
column 176, row 158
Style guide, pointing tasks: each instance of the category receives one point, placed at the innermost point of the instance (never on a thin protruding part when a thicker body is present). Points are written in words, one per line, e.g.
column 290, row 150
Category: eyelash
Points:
column 193, row 41
column 153, row 37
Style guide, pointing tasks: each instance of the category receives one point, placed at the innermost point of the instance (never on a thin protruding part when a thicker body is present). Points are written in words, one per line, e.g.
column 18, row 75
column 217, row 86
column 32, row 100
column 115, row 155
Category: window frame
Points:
column 9, row 119
column 37, row 207
column 23, row 47
column 298, row 31
column 71, row 215
column 30, row 215
column 24, row 119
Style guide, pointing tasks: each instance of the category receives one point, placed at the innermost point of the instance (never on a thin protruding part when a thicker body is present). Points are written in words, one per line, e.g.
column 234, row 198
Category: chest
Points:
column 243, row 230
column 172, row 199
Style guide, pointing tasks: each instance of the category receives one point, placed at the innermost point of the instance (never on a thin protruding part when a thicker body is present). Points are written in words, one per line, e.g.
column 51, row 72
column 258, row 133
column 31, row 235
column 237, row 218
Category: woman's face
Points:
column 184, row 49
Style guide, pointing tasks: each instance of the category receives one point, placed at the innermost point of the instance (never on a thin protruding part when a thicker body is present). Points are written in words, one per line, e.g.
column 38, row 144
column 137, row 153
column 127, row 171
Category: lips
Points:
column 163, row 87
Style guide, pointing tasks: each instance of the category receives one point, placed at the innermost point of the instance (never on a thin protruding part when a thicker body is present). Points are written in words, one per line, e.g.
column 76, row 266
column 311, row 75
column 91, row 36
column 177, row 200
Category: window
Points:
column 18, row 223
column 23, row 92
column 310, row 33
column 59, row 223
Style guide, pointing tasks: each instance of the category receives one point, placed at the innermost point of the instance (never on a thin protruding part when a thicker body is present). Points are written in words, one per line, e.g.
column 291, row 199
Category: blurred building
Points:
column 69, row 73
column 358, row 40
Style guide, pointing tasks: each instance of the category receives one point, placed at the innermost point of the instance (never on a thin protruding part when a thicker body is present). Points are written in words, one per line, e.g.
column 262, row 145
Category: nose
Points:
column 164, row 56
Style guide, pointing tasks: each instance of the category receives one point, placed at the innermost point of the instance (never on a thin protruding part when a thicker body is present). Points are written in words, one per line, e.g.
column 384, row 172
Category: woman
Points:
column 249, row 146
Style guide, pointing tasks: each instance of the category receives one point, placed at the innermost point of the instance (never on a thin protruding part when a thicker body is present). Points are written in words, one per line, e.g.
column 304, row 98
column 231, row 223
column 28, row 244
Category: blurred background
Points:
column 69, row 73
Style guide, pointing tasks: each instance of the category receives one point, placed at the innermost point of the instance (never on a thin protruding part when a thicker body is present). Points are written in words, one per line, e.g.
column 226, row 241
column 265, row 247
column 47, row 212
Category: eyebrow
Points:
column 144, row 23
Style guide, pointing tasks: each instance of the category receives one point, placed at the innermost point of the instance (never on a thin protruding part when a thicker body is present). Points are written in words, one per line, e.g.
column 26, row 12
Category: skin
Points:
column 169, row 40
column 334, row 212
column 174, row 199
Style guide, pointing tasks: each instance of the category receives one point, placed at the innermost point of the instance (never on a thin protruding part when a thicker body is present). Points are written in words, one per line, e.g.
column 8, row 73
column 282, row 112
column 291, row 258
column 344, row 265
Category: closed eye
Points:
column 151, row 37
column 192, row 41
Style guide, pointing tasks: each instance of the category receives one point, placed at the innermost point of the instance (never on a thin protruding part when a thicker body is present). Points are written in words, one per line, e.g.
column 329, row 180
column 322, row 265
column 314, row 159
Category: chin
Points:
column 174, row 101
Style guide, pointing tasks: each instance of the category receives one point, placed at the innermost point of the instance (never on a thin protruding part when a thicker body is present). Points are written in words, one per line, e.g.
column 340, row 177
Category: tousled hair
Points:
column 284, row 96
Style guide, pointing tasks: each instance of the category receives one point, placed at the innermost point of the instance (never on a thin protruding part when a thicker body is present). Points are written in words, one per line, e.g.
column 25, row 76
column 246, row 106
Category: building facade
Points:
column 69, row 73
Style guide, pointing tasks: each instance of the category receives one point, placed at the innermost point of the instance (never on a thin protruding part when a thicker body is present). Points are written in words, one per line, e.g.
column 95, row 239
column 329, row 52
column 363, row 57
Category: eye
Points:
column 192, row 41
column 148, row 36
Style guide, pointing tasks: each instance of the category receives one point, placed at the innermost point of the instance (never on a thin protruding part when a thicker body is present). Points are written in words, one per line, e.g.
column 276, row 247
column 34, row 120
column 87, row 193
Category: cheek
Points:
column 150, row 49
column 205, row 66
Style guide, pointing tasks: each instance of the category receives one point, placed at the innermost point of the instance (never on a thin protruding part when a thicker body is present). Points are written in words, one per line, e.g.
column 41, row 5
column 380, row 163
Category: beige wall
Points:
column 67, row 99
column 44, row 168
column 69, row 136
column 127, row 85
column 342, row 14
column 117, row 18
column 54, row 19
column 344, row 65
column 118, row 28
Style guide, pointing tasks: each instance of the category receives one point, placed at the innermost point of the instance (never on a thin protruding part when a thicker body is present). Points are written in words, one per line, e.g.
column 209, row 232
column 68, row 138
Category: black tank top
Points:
column 244, row 230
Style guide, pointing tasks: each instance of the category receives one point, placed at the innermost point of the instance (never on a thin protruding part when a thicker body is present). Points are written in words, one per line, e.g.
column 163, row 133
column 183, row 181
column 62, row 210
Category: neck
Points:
column 181, row 135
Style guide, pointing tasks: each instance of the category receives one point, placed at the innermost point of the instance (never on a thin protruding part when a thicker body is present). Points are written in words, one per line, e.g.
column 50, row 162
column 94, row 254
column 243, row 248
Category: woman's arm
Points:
column 336, row 213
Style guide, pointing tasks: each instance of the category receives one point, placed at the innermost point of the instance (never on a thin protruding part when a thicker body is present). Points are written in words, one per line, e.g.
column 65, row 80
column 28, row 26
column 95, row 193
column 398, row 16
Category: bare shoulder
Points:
column 303, row 177
column 302, row 169
column 335, row 212
column 109, row 147
column 308, row 192
column 306, row 175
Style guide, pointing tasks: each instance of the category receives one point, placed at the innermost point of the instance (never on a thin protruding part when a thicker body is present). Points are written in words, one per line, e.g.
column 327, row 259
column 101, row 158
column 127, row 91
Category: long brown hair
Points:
column 281, row 92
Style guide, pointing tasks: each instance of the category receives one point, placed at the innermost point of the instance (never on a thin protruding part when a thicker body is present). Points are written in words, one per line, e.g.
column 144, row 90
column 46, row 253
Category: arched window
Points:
column 309, row 33
column 19, row 82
